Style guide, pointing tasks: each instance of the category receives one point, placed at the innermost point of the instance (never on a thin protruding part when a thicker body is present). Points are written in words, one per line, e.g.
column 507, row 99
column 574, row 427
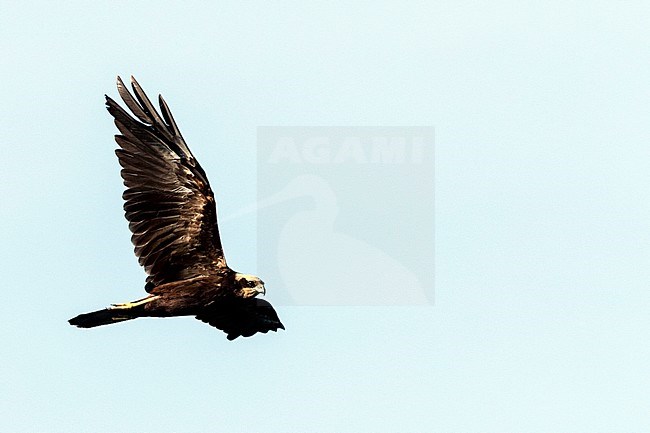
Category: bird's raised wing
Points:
column 168, row 201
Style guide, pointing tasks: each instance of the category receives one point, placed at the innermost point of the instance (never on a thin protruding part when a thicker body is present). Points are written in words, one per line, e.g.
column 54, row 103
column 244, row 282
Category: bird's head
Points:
column 249, row 286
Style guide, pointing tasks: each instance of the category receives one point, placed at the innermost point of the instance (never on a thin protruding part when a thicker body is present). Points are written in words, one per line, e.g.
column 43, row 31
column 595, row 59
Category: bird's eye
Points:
column 251, row 284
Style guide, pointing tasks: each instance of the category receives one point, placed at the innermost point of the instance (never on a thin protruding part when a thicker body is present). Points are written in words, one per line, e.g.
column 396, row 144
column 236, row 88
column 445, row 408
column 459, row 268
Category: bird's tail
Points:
column 113, row 314
column 102, row 317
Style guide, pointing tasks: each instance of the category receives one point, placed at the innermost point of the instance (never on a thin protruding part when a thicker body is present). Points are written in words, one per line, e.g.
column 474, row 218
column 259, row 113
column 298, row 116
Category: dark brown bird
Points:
column 173, row 217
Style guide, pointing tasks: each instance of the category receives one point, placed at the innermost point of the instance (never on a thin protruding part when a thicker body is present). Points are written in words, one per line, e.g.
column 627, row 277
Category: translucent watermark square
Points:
column 346, row 214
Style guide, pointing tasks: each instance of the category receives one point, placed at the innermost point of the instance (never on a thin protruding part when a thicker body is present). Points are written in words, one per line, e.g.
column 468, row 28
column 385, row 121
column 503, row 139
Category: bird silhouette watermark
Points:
column 346, row 214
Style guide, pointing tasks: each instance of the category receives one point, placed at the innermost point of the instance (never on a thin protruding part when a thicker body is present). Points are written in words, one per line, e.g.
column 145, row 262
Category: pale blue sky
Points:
column 541, row 112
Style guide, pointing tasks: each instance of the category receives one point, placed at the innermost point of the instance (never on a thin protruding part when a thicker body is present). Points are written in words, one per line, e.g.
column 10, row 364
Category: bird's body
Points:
column 172, row 214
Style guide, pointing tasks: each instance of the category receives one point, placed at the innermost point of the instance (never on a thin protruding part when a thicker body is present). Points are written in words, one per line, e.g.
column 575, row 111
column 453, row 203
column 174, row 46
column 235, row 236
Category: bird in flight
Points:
column 173, row 217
